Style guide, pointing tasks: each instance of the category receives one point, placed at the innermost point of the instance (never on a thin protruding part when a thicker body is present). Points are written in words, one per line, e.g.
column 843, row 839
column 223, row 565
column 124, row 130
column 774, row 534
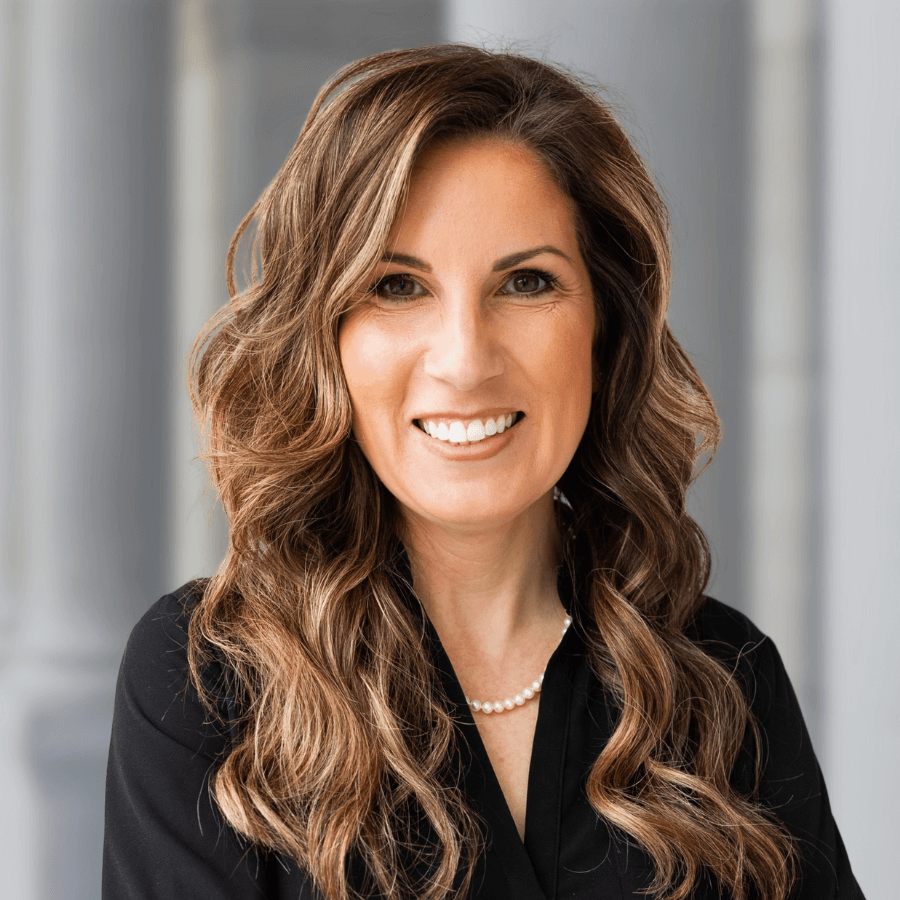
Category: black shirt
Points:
column 165, row 838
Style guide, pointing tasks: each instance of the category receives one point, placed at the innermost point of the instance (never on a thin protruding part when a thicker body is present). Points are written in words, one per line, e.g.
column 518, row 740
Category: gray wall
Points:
column 859, row 314
column 133, row 137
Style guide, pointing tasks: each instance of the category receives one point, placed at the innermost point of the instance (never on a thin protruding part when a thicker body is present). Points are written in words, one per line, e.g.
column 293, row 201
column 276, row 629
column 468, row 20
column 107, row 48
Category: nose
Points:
column 464, row 350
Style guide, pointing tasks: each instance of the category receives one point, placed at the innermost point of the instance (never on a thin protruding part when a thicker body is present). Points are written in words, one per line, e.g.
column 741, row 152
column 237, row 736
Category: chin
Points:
column 471, row 509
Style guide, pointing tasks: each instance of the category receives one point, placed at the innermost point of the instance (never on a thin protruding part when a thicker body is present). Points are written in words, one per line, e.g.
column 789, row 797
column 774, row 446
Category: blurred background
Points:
column 135, row 135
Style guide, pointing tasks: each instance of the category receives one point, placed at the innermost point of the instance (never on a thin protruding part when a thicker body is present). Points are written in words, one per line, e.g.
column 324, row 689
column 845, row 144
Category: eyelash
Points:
column 551, row 282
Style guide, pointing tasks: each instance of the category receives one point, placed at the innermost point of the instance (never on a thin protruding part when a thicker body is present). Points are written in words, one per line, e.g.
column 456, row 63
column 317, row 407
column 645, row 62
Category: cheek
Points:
column 359, row 369
column 573, row 381
column 569, row 361
column 375, row 366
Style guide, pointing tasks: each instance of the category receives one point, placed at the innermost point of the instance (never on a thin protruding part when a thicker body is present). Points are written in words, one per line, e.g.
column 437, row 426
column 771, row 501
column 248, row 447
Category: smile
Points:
column 459, row 432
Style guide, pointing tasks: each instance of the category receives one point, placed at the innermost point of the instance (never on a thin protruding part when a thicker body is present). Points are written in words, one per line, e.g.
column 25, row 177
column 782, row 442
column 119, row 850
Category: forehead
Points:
column 484, row 187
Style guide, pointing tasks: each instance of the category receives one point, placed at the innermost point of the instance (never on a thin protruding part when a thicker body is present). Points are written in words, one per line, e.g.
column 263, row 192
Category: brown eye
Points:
column 528, row 283
column 397, row 286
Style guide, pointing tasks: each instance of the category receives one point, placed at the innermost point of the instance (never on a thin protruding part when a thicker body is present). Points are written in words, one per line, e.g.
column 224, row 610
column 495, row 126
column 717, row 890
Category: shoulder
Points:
column 162, row 630
column 735, row 640
column 728, row 634
column 722, row 624
column 156, row 655
column 154, row 677
column 781, row 770
column 787, row 757
column 164, row 834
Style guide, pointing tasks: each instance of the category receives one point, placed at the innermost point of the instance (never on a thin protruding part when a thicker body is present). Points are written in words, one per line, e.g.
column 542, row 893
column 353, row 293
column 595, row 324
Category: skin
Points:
column 447, row 333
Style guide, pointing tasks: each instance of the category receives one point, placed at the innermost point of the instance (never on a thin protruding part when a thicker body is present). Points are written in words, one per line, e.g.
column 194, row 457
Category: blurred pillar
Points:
column 861, row 313
column 89, row 361
column 212, row 143
column 784, row 581
column 11, row 112
column 16, row 817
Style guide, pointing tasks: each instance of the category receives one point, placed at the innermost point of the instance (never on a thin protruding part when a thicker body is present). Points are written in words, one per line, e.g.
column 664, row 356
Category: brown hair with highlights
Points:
column 346, row 737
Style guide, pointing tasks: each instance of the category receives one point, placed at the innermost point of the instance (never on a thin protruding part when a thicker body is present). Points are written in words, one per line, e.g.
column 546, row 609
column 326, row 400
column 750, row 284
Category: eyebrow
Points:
column 506, row 262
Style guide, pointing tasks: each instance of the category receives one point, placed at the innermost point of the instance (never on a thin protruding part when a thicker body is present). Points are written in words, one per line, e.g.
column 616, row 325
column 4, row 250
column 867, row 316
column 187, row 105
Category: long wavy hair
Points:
column 346, row 735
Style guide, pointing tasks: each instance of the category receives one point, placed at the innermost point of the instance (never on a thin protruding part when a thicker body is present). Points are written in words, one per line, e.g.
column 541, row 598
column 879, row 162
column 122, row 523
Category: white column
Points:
column 861, row 312
column 211, row 139
column 783, row 579
column 17, row 819
column 88, row 440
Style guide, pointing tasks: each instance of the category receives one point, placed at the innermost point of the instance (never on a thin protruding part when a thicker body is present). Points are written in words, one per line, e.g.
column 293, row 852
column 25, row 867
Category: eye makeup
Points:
column 410, row 287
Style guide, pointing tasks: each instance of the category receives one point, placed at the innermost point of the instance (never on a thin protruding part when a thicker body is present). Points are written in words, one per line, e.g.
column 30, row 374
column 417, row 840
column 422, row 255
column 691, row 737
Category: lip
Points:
column 464, row 416
column 483, row 449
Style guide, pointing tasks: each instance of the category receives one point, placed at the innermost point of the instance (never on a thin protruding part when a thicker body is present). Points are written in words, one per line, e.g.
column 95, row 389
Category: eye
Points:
column 397, row 287
column 529, row 282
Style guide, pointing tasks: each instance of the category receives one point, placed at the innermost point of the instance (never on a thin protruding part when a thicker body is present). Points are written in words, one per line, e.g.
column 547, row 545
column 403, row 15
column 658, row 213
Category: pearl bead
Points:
column 527, row 694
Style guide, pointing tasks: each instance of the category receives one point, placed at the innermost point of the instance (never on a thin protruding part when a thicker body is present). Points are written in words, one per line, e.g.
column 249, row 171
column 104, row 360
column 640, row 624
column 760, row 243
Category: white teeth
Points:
column 458, row 433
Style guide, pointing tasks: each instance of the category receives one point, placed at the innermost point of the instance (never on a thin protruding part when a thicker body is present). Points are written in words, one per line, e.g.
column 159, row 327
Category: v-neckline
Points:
column 530, row 867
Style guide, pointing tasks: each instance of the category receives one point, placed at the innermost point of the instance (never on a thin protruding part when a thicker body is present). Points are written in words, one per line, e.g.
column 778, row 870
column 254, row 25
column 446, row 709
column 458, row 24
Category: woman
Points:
column 459, row 644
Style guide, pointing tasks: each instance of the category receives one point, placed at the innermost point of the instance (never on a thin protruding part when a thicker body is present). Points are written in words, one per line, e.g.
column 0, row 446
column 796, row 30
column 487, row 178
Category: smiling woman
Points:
column 453, row 435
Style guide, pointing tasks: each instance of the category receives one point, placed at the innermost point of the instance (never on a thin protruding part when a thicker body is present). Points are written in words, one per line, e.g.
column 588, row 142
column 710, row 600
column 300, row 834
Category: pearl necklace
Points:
column 521, row 698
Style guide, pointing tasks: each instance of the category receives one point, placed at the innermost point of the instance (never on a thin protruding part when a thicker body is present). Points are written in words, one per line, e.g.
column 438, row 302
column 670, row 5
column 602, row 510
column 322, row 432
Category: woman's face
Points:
column 481, row 310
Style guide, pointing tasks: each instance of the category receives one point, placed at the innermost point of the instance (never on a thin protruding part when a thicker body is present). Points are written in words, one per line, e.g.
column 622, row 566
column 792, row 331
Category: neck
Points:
column 487, row 588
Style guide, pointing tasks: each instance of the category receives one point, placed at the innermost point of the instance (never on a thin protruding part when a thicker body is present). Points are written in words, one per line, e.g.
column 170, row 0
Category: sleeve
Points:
column 791, row 783
column 163, row 835
column 794, row 788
